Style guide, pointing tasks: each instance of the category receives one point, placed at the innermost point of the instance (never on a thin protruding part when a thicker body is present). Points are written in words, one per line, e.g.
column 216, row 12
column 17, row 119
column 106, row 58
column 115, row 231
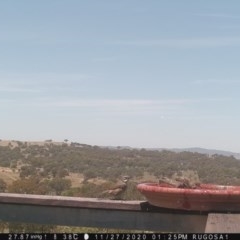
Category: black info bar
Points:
column 119, row 236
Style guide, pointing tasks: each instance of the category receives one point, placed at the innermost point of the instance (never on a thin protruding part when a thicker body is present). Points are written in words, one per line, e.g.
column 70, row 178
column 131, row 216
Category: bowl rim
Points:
column 205, row 189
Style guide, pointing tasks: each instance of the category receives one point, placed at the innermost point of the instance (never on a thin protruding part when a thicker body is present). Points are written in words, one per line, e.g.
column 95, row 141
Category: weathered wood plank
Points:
column 223, row 223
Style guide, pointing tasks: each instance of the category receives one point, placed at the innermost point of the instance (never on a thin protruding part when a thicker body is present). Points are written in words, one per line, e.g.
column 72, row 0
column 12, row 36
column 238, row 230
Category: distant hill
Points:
column 207, row 151
column 177, row 150
column 193, row 150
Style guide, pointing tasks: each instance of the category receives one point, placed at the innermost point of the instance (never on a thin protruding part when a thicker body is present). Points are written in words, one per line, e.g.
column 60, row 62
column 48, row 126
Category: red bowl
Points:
column 207, row 197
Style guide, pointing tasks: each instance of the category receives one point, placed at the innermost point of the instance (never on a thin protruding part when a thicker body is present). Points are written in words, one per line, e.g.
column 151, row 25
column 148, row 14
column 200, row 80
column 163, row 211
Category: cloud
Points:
column 18, row 90
column 34, row 36
column 203, row 42
column 164, row 107
column 219, row 15
column 104, row 59
column 112, row 107
column 215, row 81
column 30, row 78
column 117, row 102
column 41, row 82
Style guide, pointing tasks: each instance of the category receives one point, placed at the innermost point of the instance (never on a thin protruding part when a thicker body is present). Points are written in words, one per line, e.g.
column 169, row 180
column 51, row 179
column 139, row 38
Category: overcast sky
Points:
column 129, row 73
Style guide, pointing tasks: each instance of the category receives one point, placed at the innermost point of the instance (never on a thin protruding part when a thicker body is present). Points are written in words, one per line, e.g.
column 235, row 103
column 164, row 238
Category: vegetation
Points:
column 3, row 186
column 49, row 169
column 49, row 164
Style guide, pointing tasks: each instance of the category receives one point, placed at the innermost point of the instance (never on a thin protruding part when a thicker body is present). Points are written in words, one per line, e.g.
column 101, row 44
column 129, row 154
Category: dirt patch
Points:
column 8, row 175
column 146, row 178
column 76, row 179
column 4, row 143
column 97, row 181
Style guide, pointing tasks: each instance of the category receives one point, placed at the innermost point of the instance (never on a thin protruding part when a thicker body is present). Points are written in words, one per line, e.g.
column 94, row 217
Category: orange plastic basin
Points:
column 207, row 197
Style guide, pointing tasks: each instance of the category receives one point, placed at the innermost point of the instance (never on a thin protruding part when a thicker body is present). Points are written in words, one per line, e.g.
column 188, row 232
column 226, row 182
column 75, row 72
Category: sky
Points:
column 147, row 74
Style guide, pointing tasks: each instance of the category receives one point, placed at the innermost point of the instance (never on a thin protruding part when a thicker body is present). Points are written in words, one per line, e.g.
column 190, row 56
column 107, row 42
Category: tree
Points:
column 89, row 173
column 61, row 173
column 31, row 185
column 3, row 185
column 58, row 185
column 27, row 171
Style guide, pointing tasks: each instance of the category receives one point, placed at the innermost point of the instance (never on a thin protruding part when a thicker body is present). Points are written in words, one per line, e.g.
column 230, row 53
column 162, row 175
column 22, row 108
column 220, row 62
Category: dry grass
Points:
column 8, row 175
column 97, row 181
column 147, row 177
column 76, row 179
column 4, row 143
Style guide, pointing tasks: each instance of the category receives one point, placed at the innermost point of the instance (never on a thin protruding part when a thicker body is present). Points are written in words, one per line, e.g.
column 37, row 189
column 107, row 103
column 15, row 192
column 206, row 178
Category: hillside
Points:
column 79, row 163
column 207, row 151
column 193, row 150
column 82, row 170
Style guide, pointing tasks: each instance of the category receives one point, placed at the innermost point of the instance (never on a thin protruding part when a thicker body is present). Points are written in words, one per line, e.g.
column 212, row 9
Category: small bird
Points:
column 116, row 191
column 179, row 182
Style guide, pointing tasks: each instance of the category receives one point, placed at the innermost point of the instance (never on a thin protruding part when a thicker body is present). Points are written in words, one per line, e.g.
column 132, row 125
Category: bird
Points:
column 178, row 182
column 116, row 191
